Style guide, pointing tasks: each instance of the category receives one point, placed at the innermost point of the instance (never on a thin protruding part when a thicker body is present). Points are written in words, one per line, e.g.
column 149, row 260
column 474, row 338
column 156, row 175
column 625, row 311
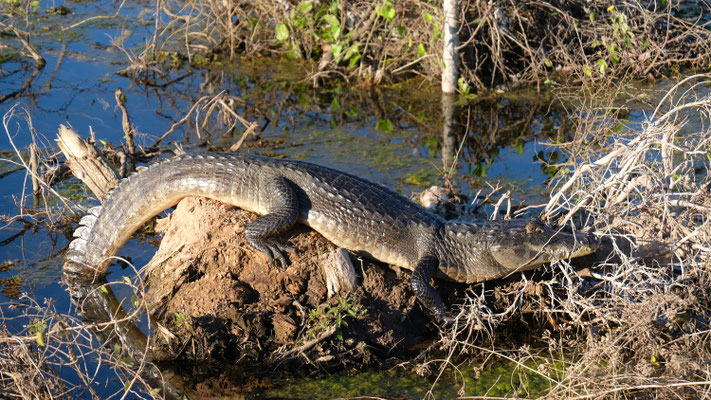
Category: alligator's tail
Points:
column 138, row 198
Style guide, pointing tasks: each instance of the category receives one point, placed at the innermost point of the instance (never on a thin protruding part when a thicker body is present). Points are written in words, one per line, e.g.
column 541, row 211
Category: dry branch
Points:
column 308, row 344
column 87, row 163
column 34, row 169
column 125, row 122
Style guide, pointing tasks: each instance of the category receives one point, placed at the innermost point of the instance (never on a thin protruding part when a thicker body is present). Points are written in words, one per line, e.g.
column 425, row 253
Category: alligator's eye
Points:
column 533, row 228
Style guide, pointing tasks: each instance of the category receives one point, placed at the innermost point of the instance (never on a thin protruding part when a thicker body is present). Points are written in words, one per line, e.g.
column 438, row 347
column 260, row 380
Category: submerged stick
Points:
column 34, row 168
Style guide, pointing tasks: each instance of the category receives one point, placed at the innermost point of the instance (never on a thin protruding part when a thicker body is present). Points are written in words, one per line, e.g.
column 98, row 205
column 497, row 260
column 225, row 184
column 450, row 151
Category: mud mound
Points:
column 220, row 300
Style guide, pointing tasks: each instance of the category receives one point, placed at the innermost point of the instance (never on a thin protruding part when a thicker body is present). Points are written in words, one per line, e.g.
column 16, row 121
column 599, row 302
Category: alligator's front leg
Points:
column 420, row 282
column 278, row 197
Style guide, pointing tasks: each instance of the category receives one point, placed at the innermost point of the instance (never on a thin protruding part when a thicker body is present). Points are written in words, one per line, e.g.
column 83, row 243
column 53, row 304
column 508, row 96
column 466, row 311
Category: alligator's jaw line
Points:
column 353, row 213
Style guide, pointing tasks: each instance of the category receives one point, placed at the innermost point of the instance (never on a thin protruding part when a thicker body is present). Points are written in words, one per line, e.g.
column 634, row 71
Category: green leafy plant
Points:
column 181, row 320
column 352, row 112
column 425, row 177
column 421, row 52
column 602, row 64
column 549, row 162
column 436, row 29
column 324, row 318
column 308, row 23
column 480, row 169
column 384, row 125
column 386, row 11
column 621, row 39
column 38, row 327
column 463, row 86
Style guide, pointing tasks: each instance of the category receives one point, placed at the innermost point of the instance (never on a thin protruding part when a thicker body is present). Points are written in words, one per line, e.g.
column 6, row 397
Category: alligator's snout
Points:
column 535, row 244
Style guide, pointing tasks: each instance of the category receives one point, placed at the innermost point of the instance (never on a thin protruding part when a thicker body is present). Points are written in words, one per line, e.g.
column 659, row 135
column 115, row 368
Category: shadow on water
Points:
column 398, row 136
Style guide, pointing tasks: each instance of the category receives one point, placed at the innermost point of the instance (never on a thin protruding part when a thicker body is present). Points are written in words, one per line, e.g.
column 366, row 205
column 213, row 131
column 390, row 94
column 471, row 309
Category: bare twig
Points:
column 125, row 122
column 97, row 17
column 309, row 343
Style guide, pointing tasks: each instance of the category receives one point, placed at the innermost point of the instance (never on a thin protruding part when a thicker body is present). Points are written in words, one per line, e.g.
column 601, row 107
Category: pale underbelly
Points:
column 369, row 241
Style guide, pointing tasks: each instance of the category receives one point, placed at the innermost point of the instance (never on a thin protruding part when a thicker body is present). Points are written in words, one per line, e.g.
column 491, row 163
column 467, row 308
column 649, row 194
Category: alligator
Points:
column 361, row 216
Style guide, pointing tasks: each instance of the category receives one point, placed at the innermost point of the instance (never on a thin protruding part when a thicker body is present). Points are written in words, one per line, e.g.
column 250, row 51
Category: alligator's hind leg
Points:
column 282, row 205
column 420, row 282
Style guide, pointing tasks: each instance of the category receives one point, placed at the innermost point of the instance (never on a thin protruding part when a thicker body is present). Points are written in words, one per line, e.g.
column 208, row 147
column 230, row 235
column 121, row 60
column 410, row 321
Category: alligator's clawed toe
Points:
column 273, row 250
column 444, row 317
column 285, row 247
column 283, row 262
column 276, row 251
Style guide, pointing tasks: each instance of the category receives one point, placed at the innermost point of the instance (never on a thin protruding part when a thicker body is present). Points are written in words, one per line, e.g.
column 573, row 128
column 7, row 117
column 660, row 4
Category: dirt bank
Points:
column 222, row 301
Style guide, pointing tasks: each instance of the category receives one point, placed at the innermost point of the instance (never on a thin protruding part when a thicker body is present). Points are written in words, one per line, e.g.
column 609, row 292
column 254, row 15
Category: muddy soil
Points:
column 222, row 301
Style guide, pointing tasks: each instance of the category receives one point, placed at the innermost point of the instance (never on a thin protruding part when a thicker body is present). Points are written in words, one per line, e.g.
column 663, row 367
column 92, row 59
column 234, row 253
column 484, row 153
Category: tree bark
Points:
column 449, row 54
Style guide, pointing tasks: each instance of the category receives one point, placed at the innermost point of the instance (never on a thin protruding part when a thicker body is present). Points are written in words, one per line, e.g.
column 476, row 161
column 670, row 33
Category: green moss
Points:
column 423, row 178
column 498, row 379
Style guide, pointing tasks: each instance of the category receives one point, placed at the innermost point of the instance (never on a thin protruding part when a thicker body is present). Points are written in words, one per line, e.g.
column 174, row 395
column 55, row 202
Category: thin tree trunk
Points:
column 449, row 54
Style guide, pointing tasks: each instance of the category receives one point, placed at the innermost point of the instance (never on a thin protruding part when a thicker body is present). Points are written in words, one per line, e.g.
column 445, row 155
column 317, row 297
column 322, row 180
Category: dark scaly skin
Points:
column 353, row 213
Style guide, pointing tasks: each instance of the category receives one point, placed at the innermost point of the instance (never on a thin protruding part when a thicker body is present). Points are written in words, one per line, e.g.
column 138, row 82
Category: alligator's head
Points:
column 499, row 248
column 527, row 245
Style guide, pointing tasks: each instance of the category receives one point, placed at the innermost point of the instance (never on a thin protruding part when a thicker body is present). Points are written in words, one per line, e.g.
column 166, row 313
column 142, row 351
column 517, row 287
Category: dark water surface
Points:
column 392, row 136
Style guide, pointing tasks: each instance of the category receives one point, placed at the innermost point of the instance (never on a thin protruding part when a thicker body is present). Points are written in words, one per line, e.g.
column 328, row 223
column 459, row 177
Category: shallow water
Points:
column 391, row 136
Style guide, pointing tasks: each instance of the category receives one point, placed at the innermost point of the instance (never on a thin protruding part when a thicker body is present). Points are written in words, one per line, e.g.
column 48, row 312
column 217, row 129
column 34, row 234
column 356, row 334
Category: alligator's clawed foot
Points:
column 274, row 250
column 444, row 317
column 277, row 250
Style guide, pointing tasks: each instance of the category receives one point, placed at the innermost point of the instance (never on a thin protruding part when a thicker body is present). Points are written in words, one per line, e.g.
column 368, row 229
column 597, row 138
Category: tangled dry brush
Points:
column 637, row 321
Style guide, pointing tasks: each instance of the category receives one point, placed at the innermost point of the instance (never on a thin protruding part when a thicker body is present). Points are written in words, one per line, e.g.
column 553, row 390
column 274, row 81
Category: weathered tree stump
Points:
column 87, row 163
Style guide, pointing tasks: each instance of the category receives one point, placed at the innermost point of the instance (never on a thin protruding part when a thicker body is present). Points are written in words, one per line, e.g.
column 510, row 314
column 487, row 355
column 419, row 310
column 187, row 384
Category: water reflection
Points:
column 104, row 315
